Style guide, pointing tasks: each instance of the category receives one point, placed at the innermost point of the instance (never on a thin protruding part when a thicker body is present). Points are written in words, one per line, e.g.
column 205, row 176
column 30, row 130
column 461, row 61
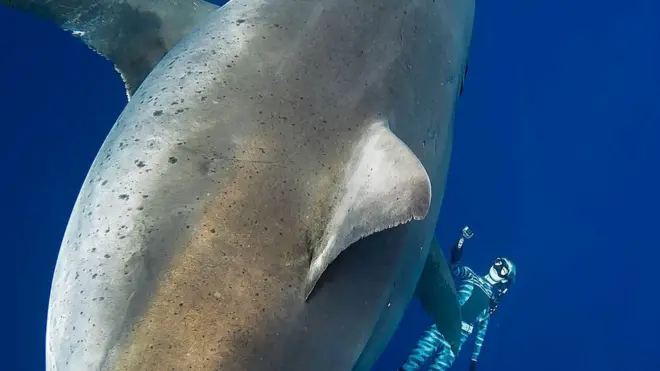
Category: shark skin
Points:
column 213, row 229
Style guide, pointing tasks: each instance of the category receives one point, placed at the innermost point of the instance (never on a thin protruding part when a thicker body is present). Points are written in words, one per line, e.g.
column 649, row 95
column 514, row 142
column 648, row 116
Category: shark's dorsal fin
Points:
column 133, row 34
column 437, row 293
column 384, row 185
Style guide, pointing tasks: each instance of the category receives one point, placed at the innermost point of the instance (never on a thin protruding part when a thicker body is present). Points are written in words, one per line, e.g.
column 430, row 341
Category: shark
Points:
column 268, row 196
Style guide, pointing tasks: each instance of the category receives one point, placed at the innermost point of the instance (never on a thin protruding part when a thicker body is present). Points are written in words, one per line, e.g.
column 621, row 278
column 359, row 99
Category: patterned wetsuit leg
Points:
column 446, row 358
column 464, row 336
column 425, row 348
column 483, row 326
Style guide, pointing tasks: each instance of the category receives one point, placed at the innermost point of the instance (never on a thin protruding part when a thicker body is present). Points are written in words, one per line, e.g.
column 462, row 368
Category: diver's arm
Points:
column 481, row 335
column 457, row 270
column 460, row 272
column 457, row 251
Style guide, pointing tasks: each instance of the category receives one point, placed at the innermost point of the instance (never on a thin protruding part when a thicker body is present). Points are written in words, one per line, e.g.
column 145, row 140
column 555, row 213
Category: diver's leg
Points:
column 446, row 357
column 444, row 360
column 464, row 336
column 424, row 349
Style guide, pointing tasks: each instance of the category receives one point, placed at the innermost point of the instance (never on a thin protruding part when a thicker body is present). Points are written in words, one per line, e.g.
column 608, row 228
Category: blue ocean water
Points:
column 555, row 164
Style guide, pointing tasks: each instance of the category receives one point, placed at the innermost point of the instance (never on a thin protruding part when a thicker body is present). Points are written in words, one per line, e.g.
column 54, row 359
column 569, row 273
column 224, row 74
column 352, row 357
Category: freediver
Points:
column 478, row 297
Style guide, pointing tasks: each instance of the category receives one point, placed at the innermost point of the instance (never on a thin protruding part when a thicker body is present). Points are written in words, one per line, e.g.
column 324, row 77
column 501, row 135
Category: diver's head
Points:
column 503, row 271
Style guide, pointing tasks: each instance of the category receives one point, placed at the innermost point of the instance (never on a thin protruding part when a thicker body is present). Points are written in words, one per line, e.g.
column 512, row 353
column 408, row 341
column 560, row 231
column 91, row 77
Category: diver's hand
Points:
column 473, row 365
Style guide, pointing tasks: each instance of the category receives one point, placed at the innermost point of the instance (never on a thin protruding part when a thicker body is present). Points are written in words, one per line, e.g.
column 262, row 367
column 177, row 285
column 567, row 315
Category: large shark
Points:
column 261, row 140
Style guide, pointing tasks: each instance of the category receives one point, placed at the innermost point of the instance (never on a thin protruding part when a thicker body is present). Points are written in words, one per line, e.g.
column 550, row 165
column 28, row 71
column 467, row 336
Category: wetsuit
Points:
column 476, row 296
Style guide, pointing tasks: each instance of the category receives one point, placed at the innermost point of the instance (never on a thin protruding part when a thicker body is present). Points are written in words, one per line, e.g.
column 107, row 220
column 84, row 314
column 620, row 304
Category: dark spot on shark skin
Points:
column 104, row 182
column 106, row 256
column 123, row 197
column 205, row 167
column 140, row 163
column 158, row 112
column 172, row 160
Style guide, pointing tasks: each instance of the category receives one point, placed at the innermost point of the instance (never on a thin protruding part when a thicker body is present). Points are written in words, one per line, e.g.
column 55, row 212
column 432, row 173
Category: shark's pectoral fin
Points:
column 133, row 34
column 384, row 185
column 437, row 293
